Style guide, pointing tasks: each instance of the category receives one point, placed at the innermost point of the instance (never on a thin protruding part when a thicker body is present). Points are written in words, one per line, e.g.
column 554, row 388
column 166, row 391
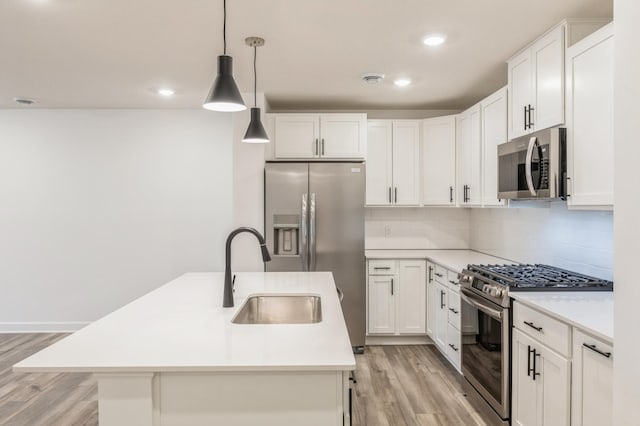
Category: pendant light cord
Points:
column 224, row 25
column 255, row 77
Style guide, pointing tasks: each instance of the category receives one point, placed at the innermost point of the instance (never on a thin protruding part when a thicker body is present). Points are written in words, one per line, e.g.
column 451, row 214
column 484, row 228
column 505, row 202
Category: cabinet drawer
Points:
column 453, row 306
column 453, row 345
column 452, row 281
column 548, row 330
column 440, row 275
column 382, row 267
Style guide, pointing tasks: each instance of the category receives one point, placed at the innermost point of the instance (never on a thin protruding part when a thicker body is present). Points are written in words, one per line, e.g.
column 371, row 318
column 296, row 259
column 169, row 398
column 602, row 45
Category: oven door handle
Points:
column 478, row 303
column 527, row 167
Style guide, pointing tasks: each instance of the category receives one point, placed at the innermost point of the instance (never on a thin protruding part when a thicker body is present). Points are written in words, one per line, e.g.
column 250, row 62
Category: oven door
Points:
column 485, row 350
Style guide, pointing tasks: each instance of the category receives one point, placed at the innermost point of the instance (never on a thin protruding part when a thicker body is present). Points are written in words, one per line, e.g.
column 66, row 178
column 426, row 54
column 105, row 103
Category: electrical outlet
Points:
column 387, row 231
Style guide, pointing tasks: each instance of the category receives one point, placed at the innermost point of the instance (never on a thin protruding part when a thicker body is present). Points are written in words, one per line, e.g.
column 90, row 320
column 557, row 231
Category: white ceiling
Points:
column 117, row 53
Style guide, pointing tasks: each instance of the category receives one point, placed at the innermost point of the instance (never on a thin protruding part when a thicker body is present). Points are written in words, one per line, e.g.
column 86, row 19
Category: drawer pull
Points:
column 454, row 311
column 454, row 347
column 381, row 267
column 439, row 275
column 453, row 282
column 530, row 324
column 595, row 349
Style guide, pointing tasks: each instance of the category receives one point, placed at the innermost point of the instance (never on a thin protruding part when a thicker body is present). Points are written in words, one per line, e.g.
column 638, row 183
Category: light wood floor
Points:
column 396, row 386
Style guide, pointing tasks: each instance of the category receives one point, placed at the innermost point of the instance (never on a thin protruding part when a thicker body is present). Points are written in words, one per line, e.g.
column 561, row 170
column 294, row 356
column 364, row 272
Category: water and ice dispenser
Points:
column 286, row 233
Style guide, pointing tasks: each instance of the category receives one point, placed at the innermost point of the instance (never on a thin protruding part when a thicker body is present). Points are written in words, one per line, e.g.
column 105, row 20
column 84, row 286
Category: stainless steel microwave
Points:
column 534, row 166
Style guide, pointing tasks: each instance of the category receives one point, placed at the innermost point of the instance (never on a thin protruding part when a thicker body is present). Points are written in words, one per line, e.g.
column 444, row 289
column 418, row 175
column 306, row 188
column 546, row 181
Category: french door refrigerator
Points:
column 314, row 221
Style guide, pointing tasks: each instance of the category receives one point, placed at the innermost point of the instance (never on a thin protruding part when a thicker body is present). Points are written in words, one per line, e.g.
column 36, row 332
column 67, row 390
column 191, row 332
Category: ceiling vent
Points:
column 372, row 77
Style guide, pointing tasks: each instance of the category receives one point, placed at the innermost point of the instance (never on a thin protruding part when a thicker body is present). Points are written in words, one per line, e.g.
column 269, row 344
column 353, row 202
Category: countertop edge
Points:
column 186, row 369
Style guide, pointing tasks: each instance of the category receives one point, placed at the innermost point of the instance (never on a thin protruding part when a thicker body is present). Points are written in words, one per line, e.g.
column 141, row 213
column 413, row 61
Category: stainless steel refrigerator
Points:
column 314, row 221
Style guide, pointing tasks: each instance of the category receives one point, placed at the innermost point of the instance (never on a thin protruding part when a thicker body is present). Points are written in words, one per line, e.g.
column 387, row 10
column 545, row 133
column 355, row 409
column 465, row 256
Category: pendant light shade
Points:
column 255, row 131
column 224, row 94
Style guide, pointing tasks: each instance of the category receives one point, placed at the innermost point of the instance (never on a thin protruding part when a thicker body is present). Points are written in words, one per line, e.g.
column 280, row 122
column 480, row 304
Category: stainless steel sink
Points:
column 280, row 309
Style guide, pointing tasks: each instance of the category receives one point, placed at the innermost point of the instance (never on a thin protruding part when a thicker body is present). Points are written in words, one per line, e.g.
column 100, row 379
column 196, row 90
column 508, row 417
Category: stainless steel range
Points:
column 484, row 290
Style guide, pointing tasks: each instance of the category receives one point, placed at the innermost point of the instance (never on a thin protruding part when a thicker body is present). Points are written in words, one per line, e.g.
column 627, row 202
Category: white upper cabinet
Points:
column 320, row 136
column 469, row 153
column 590, row 120
column 439, row 161
column 494, row 133
column 536, row 85
column 393, row 162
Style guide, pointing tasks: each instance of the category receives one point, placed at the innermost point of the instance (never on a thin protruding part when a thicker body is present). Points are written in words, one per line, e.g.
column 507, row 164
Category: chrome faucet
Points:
column 227, row 300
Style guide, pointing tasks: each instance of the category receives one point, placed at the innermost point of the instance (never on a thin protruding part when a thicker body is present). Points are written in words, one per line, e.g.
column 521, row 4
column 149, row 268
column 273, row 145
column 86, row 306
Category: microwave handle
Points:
column 527, row 168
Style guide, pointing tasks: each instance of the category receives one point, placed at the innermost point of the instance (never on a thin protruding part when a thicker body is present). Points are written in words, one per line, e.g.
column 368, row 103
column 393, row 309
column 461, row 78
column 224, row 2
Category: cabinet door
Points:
column 406, row 163
column 297, row 135
column 412, row 306
column 494, row 133
column 379, row 164
column 442, row 315
column 454, row 345
column 590, row 119
column 432, row 300
column 520, row 92
column 382, row 311
column 524, row 393
column 554, row 385
column 592, row 381
column 468, row 134
column 343, row 135
column 548, row 60
column 439, row 161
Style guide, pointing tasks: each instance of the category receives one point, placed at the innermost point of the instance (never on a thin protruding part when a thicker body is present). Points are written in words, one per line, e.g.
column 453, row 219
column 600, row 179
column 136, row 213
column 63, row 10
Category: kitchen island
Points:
column 174, row 357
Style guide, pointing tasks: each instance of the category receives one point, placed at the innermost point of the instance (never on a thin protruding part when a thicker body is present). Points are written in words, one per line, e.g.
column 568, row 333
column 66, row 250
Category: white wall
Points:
column 416, row 228
column 97, row 207
column 627, row 201
column 580, row 241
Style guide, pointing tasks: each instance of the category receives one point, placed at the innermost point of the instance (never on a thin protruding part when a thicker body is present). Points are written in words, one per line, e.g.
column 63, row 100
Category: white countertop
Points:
column 456, row 260
column 591, row 311
column 182, row 326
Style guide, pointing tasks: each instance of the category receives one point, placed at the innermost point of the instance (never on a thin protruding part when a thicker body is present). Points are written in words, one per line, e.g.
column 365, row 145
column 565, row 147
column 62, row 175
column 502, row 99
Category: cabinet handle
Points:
column 566, row 186
column 392, row 286
column 451, row 194
column 535, row 355
column 439, row 275
column 316, row 147
column 389, row 195
column 395, row 196
column 454, row 311
column 531, row 124
column 430, row 273
column 453, row 282
column 468, row 193
column 322, row 151
column 381, row 267
column 529, row 360
column 442, row 299
column 526, row 126
column 454, row 347
column 530, row 324
column 595, row 349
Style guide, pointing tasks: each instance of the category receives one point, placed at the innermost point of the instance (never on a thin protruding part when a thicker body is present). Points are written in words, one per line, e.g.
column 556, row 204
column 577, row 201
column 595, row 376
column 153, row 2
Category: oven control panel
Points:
column 492, row 291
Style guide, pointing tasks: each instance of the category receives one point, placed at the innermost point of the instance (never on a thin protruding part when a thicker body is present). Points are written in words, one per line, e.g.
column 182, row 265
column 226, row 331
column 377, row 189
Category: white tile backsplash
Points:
column 416, row 228
column 540, row 232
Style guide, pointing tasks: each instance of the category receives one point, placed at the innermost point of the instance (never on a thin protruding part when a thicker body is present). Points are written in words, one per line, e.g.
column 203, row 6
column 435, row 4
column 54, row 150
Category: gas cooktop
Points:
column 539, row 277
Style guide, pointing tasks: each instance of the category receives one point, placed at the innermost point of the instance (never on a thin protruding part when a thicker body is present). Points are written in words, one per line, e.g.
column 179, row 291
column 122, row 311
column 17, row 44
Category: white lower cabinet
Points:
column 541, row 384
column 592, row 381
column 440, row 299
column 397, row 299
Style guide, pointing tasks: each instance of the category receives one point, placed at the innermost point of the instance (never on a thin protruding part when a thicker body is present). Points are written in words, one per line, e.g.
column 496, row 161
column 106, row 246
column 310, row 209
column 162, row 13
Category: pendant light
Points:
column 224, row 95
column 255, row 131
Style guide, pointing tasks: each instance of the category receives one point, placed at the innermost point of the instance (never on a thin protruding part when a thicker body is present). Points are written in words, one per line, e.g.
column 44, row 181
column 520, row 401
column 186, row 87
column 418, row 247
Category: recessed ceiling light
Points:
column 434, row 40
column 166, row 92
column 402, row 82
column 24, row 101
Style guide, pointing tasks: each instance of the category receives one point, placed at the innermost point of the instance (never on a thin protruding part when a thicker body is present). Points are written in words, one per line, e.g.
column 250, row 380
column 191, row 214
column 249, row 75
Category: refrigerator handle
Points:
column 303, row 232
column 312, row 232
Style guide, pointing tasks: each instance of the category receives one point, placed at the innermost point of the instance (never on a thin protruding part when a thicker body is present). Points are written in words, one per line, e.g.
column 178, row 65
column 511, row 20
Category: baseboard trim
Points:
column 398, row 340
column 41, row 327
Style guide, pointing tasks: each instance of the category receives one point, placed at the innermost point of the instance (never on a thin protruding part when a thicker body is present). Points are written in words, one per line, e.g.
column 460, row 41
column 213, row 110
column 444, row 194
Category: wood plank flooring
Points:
column 396, row 386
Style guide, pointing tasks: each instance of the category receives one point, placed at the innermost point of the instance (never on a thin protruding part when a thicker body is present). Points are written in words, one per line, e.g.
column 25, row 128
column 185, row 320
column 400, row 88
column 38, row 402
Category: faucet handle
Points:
column 233, row 283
